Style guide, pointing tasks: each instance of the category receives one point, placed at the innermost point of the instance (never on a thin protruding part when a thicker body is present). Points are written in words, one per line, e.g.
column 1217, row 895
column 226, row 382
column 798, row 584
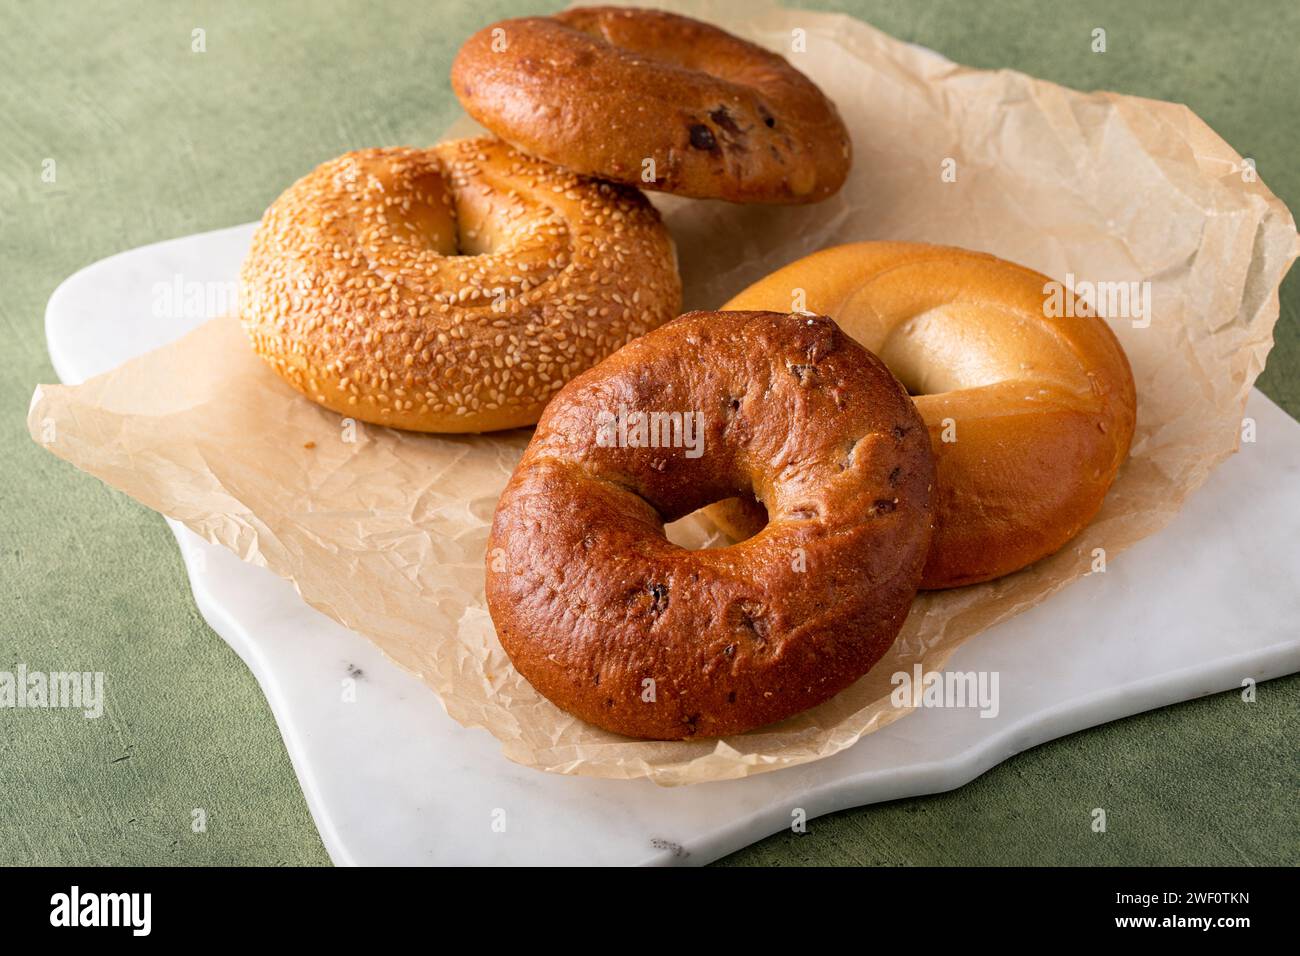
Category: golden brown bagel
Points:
column 451, row 289
column 1042, row 409
column 618, row 626
column 604, row 90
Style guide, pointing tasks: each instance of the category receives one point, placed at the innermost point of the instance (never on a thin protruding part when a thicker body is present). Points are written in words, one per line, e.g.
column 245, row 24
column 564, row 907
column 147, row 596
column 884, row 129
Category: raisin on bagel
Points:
column 617, row 625
column 655, row 100
column 1031, row 414
column 451, row 289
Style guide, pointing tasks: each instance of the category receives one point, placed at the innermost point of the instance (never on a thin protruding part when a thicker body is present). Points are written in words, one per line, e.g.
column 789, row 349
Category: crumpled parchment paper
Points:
column 386, row 531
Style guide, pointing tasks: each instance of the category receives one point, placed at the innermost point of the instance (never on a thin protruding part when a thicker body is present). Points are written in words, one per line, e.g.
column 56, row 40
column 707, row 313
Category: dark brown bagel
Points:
column 603, row 90
column 617, row 625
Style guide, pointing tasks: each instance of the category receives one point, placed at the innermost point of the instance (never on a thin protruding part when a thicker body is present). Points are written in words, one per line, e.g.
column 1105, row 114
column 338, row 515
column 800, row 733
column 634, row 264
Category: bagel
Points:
column 606, row 90
column 1030, row 416
column 451, row 289
column 618, row 626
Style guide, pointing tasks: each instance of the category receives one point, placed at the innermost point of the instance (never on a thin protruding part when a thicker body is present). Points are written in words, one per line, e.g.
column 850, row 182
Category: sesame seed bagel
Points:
column 1030, row 415
column 451, row 289
column 620, row 627
column 606, row 90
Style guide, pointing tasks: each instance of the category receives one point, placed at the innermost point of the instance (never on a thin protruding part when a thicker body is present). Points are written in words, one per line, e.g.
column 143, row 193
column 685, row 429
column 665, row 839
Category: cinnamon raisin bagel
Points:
column 1030, row 415
column 655, row 100
column 451, row 289
column 620, row 627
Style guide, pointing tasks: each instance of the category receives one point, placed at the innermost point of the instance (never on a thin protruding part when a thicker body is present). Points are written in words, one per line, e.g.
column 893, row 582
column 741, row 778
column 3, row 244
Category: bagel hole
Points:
column 475, row 212
column 914, row 382
column 910, row 379
column 944, row 349
column 719, row 524
column 473, row 238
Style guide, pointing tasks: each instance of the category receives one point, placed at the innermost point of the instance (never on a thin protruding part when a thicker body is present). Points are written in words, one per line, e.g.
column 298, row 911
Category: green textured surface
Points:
column 152, row 141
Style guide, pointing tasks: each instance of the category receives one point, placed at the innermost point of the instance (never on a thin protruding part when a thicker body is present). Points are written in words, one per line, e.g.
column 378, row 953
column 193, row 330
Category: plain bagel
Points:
column 1030, row 415
column 608, row 91
column 451, row 289
column 620, row 627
